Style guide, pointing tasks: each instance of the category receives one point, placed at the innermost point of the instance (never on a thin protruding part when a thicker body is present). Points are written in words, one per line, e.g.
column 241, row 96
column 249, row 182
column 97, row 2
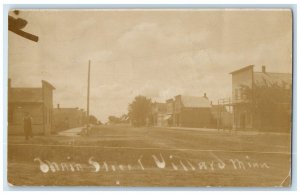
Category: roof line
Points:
column 247, row 67
column 274, row 72
column 47, row 83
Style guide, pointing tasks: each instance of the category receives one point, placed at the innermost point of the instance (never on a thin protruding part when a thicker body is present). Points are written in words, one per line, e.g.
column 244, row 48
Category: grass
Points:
column 124, row 145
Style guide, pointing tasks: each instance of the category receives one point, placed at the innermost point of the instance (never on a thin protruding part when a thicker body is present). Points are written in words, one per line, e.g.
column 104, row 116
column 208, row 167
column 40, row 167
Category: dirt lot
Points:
column 126, row 156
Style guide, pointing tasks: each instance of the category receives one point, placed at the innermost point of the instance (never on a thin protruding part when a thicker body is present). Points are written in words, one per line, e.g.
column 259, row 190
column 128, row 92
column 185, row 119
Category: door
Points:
column 243, row 120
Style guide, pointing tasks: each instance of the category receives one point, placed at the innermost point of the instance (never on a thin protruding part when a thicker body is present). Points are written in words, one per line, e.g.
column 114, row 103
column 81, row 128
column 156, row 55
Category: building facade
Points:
column 38, row 102
column 184, row 111
column 261, row 100
column 191, row 111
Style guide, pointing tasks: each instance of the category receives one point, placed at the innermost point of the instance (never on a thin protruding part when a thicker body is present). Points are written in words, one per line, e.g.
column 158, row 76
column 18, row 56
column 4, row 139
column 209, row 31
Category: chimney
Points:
column 205, row 95
column 263, row 69
column 58, row 106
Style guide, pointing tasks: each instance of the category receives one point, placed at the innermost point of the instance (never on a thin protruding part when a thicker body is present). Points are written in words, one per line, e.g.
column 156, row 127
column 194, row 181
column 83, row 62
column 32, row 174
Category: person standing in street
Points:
column 28, row 126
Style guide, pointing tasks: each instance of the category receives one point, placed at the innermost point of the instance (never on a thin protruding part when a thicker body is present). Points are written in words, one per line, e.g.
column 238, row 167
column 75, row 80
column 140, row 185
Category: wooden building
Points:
column 38, row 102
column 261, row 100
column 191, row 111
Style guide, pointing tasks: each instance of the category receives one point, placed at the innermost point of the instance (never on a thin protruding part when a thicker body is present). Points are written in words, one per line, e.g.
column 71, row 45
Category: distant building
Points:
column 183, row 111
column 261, row 100
column 191, row 111
column 159, row 116
column 67, row 118
column 38, row 102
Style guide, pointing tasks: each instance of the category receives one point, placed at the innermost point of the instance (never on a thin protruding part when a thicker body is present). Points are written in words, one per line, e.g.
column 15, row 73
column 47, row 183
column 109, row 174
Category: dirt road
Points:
column 125, row 156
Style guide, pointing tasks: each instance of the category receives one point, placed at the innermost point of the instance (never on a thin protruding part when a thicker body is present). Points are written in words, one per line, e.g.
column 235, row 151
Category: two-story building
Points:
column 261, row 100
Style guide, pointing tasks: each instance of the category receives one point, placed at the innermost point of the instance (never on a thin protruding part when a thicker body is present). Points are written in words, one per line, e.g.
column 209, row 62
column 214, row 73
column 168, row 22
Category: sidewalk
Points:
column 71, row 132
column 227, row 131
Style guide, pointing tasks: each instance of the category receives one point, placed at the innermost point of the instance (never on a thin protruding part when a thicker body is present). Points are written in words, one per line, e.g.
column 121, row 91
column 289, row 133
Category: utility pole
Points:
column 88, row 100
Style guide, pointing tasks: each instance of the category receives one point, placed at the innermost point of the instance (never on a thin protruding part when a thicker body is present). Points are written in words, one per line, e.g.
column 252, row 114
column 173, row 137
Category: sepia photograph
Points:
column 150, row 97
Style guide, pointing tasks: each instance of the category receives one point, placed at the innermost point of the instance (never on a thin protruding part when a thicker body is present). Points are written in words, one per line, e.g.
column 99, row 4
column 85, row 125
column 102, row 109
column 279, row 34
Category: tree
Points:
column 270, row 104
column 93, row 120
column 139, row 110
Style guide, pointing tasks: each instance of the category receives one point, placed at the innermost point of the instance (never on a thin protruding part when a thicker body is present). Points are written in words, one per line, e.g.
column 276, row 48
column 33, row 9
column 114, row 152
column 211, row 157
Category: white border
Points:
column 165, row 2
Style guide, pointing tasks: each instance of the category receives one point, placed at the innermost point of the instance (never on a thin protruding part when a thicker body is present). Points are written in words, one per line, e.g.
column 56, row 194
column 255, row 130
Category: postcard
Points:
column 150, row 97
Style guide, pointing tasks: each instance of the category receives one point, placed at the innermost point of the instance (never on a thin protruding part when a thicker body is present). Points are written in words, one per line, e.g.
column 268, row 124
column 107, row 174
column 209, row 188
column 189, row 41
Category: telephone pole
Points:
column 88, row 100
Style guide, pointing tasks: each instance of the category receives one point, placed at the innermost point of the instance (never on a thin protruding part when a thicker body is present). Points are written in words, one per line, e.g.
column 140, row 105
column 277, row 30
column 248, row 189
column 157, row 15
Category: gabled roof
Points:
column 268, row 79
column 30, row 95
column 195, row 102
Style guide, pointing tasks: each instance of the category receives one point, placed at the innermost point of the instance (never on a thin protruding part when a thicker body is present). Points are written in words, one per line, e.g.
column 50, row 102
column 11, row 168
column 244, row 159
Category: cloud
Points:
column 158, row 54
column 152, row 39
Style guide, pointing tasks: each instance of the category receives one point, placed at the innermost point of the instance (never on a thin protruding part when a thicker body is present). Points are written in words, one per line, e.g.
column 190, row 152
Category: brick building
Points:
column 38, row 102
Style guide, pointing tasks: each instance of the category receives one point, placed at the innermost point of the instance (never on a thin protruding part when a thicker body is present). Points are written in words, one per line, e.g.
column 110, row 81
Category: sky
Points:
column 155, row 53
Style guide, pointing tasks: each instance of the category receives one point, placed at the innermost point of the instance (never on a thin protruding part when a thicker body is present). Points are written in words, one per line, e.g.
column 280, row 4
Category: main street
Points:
column 120, row 155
